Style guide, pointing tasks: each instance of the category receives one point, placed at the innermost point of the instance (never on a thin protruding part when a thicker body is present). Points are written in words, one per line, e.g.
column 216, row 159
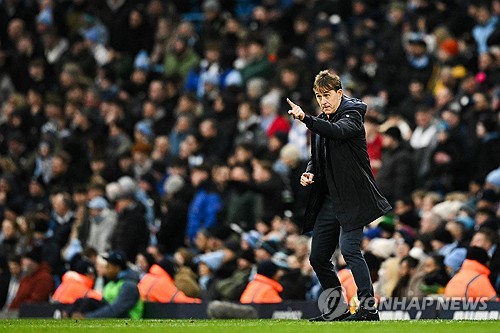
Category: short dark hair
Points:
column 326, row 80
column 489, row 234
column 412, row 262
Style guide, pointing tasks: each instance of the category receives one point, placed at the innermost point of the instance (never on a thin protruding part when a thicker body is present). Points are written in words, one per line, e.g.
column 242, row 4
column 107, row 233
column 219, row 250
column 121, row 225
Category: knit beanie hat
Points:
column 478, row 254
column 267, row 268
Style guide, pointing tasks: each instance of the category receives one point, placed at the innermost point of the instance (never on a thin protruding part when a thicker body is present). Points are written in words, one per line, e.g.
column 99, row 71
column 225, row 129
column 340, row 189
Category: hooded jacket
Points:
column 74, row 286
column 346, row 168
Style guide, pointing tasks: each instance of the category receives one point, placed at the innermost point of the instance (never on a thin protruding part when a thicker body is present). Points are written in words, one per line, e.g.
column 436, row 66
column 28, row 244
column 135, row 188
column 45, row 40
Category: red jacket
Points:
column 262, row 290
column 74, row 286
column 35, row 288
column 471, row 282
column 374, row 149
column 280, row 124
column 158, row 286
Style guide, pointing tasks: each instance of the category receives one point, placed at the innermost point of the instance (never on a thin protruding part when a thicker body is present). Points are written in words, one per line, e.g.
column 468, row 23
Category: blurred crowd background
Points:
column 159, row 130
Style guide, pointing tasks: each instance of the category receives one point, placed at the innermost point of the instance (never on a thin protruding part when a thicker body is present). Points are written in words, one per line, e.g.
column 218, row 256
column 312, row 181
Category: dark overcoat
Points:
column 346, row 168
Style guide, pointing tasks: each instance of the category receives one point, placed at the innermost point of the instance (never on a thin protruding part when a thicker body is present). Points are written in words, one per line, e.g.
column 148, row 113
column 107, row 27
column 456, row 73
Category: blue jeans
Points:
column 326, row 234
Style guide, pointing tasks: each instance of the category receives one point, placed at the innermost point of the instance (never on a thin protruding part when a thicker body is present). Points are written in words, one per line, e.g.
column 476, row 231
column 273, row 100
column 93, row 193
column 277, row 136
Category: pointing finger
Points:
column 292, row 104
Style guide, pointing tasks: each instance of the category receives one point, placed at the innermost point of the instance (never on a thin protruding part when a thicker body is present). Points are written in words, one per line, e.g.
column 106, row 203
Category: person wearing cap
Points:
column 395, row 176
column 471, row 282
column 419, row 63
column 264, row 288
column 121, row 298
column 77, row 283
column 344, row 196
column 158, row 285
column 265, row 250
column 103, row 221
column 37, row 283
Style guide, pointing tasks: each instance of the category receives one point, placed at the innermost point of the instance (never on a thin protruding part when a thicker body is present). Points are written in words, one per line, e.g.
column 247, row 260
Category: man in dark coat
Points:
column 344, row 197
column 131, row 232
column 395, row 176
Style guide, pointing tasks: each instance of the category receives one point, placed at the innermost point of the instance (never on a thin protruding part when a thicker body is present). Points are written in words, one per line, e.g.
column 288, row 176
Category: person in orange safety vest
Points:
column 77, row 283
column 471, row 281
column 264, row 288
column 158, row 286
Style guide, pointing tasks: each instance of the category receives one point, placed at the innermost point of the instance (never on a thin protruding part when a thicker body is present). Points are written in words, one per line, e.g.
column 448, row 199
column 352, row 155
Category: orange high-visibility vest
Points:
column 262, row 290
column 158, row 286
column 74, row 286
column 471, row 282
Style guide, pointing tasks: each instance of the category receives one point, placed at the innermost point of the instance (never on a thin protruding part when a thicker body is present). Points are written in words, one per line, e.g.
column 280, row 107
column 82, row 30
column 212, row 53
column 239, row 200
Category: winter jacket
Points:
column 231, row 288
column 180, row 64
column 395, row 176
column 471, row 282
column 185, row 280
column 74, row 286
column 203, row 210
column 262, row 290
column 242, row 208
column 100, row 231
column 158, row 286
column 346, row 170
column 122, row 297
column 35, row 288
column 131, row 234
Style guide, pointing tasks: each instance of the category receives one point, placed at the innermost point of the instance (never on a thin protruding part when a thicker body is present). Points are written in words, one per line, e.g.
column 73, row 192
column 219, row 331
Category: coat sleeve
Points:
column 126, row 300
column 348, row 126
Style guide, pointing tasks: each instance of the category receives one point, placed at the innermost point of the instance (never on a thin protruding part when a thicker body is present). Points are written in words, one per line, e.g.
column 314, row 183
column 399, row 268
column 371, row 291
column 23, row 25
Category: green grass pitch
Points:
column 236, row 326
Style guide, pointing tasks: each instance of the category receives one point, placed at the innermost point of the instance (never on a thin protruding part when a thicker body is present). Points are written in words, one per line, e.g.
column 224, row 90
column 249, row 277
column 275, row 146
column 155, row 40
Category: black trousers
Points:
column 326, row 234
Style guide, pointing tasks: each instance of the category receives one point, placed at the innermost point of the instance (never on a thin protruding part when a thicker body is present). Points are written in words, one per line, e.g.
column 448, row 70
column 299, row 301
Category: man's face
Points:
column 329, row 100
column 404, row 269
column 29, row 266
column 112, row 271
column 480, row 240
column 423, row 118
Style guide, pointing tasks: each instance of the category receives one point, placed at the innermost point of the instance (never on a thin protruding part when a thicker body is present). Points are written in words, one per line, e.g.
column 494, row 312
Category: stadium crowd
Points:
column 146, row 153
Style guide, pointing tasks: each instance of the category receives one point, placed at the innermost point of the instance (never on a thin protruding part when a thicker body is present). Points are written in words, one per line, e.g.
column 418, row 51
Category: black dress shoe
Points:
column 326, row 317
column 363, row 314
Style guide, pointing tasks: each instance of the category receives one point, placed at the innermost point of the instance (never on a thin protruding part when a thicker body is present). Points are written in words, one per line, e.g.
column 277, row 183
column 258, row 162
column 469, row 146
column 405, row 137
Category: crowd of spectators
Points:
column 157, row 131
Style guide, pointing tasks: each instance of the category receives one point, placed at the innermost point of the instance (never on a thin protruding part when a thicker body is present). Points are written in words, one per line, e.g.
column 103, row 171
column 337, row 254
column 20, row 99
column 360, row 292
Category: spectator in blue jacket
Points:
column 206, row 203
